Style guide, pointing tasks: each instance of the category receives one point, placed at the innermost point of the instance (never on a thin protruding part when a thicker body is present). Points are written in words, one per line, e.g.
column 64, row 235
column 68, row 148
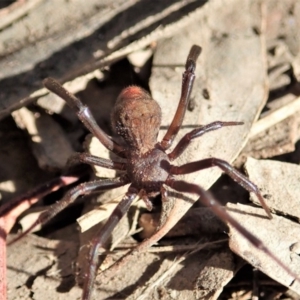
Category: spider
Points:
column 145, row 163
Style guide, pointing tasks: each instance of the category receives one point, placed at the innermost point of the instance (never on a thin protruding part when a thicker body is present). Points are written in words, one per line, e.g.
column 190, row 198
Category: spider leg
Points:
column 84, row 114
column 70, row 197
column 87, row 158
column 37, row 193
column 175, row 214
column 186, row 140
column 11, row 210
column 102, row 237
column 188, row 78
column 228, row 169
column 207, row 199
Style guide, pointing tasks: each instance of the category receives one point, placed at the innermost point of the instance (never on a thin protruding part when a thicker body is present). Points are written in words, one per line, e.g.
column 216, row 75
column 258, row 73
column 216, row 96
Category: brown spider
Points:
column 146, row 165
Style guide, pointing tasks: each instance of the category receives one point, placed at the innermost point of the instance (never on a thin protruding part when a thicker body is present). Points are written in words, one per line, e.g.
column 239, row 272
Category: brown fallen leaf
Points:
column 278, row 234
column 219, row 269
column 41, row 44
column 42, row 265
column 276, row 140
column 279, row 183
column 50, row 144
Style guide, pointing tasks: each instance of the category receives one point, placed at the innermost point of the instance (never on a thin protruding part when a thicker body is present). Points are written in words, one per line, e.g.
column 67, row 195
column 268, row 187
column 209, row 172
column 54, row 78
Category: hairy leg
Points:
column 228, row 169
column 71, row 196
column 207, row 199
column 186, row 140
column 188, row 78
column 85, row 116
column 87, row 158
column 102, row 237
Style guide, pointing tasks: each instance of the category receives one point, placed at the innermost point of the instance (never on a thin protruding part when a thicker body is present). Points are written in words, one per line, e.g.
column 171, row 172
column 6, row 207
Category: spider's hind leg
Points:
column 208, row 200
column 102, row 236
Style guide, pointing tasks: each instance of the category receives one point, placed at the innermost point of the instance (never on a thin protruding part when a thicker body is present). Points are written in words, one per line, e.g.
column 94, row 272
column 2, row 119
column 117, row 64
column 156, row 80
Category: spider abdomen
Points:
column 137, row 117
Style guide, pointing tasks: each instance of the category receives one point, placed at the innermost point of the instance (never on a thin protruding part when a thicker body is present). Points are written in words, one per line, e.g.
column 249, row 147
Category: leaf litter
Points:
column 237, row 95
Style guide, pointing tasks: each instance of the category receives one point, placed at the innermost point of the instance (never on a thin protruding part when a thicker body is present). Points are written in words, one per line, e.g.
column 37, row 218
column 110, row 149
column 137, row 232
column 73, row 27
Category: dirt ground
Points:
column 248, row 71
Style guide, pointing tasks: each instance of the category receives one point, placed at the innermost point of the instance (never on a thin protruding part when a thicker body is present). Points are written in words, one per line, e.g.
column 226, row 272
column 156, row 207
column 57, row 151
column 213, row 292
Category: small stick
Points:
column 172, row 248
column 3, row 283
column 275, row 117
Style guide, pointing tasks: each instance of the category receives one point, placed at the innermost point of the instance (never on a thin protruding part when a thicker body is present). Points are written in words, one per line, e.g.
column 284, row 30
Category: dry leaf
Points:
column 279, row 235
column 49, row 265
column 50, row 145
column 279, row 183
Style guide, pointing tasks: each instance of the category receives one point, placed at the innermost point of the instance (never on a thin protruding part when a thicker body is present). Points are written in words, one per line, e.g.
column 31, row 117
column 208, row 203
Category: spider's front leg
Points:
column 188, row 78
column 93, row 160
column 187, row 138
column 85, row 116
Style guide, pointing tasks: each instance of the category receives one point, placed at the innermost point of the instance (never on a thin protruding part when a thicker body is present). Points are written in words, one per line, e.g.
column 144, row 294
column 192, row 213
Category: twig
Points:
column 173, row 248
column 275, row 117
column 2, row 259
